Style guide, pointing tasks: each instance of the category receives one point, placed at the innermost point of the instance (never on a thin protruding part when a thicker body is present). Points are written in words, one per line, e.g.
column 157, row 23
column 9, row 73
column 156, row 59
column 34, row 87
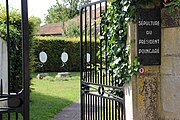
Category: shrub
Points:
column 15, row 38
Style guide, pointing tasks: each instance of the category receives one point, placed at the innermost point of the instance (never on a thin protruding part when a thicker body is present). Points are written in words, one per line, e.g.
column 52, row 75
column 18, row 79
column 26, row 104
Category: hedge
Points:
column 54, row 46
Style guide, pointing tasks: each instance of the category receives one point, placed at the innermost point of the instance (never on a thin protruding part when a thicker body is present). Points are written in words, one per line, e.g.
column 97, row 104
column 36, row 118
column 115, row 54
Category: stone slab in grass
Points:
column 42, row 75
column 63, row 74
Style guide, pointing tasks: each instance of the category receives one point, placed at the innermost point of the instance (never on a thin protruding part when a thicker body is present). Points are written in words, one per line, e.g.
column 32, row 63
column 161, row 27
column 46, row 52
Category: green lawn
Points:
column 50, row 95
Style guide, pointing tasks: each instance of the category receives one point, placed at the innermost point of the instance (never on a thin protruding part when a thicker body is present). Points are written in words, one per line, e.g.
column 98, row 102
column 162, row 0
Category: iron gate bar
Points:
column 8, row 50
column 87, row 83
column 95, row 42
column 8, row 43
column 117, row 99
column 85, row 43
column 1, row 87
column 106, row 56
column 91, row 4
column 98, row 85
column 81, row 62
column 90, row 8
column 101, row 50
column 25, row 60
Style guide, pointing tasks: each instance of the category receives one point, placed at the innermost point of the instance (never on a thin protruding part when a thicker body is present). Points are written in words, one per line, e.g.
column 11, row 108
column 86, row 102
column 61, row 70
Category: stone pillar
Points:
column 155, row 95
column 3, row 68
column 129, row 88
column 128, row 101
column 142, row 94
column 148, row 94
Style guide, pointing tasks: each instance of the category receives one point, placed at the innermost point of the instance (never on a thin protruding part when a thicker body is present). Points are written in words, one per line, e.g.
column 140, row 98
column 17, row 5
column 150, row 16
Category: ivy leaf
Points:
column 114, row 28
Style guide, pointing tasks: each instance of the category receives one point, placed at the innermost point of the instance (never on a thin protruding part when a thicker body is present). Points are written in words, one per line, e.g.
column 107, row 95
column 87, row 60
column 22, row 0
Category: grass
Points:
column 51, row 95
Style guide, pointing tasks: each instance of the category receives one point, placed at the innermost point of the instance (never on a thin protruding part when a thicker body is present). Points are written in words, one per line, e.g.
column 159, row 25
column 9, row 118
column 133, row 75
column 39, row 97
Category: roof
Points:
column 50, row 29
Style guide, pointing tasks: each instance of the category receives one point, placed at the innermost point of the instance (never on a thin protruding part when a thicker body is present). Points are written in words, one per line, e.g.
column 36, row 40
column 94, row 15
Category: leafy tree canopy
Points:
column 35, row 23
column 62, row 11
column 57, row 13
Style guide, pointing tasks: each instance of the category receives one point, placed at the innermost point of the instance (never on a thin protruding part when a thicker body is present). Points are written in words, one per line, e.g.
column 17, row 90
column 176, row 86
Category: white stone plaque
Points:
column 43, row 57
column 64, row 57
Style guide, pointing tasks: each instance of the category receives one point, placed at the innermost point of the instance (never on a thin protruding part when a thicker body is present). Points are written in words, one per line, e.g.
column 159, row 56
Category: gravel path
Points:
column 71, row 112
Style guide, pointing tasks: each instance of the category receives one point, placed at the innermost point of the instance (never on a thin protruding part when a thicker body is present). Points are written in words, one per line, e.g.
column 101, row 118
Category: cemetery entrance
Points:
column 14, row 65
column 99, row 100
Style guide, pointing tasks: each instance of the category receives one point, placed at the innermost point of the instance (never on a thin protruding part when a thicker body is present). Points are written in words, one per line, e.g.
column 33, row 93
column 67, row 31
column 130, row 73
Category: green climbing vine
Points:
column 114, row 34
column 114, row 23
column 172, row 3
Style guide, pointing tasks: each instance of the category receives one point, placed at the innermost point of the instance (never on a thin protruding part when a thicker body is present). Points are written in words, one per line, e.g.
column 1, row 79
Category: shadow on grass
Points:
column 45, row 107
column 42, row 107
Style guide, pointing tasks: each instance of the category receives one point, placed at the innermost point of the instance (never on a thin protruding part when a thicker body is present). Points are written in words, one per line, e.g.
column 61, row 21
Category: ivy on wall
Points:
column 114, row 34
column 172, row 3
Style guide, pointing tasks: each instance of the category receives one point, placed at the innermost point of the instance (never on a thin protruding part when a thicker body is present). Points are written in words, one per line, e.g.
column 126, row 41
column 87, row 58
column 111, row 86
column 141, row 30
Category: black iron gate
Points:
column 98, row 84
column 15, row 105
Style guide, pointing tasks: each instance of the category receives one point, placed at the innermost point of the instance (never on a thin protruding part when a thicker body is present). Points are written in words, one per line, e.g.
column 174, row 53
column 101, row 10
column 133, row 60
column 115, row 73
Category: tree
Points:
column 34, row 24
column 73, row 29
column 83, row 2
column 61, row 12
column 57, row 13
column 73, row 5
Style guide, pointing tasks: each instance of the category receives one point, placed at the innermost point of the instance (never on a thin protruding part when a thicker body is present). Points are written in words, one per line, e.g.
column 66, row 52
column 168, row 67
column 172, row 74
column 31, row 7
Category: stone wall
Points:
column 170, row 73
column 145, row 94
